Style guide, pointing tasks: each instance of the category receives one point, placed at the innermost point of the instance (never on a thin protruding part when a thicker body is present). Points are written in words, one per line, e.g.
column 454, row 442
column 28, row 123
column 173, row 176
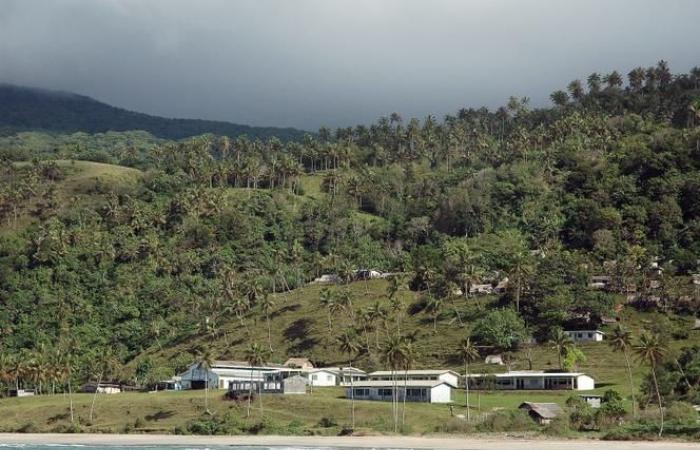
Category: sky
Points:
column 307, row 63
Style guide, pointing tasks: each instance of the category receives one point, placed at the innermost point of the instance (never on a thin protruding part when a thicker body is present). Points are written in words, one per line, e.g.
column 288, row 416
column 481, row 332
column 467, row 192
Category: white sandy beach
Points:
column 455, row 443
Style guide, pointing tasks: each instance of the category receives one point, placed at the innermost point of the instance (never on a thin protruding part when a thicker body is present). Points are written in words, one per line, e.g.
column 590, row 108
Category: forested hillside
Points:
column 203, row 244
column 29, row 109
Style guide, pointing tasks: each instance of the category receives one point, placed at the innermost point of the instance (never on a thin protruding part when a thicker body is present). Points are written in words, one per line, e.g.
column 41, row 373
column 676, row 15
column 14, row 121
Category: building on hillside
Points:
column 221, row 373
column 600, row 282
column 299, row 363
column 594, row 401
column 585, row 335
column 494, row 359
column 481, row 289
column 532, row 380
column 172, row 384
column 272, row 384
column 367, row 274
column 542, row 413
column 335, row 376
column 502, row 286
column 21, row 392
column 426, row 391
column 101, row 388
column 448, row 376
column 327, row 278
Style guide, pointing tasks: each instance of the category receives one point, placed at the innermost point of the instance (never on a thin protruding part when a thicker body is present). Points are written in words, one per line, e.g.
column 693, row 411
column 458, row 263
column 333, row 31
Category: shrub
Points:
column 327, row 422
column 508, row 420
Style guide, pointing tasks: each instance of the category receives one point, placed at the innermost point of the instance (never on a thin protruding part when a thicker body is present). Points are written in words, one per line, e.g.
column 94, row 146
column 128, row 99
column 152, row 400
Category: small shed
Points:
column 102, row 388
column 594, row 401
column 542, row 413
column 494, row 359
column 21, row 392
column 295, row 385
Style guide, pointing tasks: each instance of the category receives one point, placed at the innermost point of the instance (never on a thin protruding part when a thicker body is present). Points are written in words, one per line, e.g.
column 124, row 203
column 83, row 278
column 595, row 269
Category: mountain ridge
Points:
column 24, row 108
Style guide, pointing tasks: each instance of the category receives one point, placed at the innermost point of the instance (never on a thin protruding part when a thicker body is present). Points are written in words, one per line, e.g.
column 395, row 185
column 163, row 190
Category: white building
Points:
column 447, row 376
column 222, row 373
column 335, row 376
column 532, row 380
column 585, row 335
column 414, row 390
column 323, row 377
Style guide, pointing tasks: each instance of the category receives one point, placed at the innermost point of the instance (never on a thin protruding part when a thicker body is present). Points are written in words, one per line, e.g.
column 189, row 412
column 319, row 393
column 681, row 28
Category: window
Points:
column 314, row 377
column 590, row 335
column 384, row 392
column 361, row 392
column 329, row 378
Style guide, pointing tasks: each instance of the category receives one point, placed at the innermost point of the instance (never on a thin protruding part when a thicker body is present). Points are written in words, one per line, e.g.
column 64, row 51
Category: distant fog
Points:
column 306, row 63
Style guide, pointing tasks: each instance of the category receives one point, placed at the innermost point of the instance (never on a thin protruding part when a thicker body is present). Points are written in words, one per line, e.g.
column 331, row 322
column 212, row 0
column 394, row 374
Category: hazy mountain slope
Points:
column 27, row 109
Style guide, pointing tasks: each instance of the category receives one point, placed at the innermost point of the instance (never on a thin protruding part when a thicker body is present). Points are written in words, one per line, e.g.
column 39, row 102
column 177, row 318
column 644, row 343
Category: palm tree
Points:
column 349, row 345
column 105, row 365
column 255, row 355
column 204, row 361
column 468, row 352
column 621, row 341
column 393, row 355
column 434, row 306
column 649, row 349
column 266, row 305
column 560, row 341
column 328, row 300
column 409, row 357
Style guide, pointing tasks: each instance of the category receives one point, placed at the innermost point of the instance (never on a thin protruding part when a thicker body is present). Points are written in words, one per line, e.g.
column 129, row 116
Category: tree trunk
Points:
column 629, row 376
column 70, row 397
column 466, row 387
column 206, row 394
column 352, row 399
column 94, row 397
column 658, row 398
column 250, row 392
column 269, row 332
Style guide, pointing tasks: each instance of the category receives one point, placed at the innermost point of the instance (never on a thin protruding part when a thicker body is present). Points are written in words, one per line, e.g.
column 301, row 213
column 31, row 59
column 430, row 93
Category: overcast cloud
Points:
column 307, row 63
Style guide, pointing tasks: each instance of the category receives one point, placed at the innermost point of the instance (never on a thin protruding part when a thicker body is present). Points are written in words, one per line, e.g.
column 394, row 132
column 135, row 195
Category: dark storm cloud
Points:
column 336, row 62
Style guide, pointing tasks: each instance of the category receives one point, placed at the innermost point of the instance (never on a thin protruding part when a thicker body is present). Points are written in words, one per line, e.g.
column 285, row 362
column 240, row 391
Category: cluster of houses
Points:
column 298, row 375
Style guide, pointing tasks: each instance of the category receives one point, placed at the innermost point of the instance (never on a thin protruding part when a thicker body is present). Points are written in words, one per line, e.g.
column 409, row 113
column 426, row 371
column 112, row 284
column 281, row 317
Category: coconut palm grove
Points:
column 129, row 252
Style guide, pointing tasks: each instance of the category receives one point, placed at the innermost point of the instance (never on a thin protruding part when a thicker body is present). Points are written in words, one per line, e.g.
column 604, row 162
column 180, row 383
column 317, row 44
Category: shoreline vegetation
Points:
column 490, row 442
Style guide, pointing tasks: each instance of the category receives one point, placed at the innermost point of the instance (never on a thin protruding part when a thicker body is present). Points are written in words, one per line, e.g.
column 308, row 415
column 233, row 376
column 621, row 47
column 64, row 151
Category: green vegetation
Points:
column 207, row 247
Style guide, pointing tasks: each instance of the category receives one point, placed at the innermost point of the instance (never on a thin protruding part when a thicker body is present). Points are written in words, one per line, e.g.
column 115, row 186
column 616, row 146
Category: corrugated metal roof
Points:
column 401, row 383
column 544, row 410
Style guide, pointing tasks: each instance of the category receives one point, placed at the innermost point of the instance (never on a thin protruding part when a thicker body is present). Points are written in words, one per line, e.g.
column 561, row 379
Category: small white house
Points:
column 532, row 380
column 222, row 373
column 585, row 335
column 494, row 359
column 102, row 388
column 335, row 376
column 414, row 391
column 323, row 377
column 447, row 376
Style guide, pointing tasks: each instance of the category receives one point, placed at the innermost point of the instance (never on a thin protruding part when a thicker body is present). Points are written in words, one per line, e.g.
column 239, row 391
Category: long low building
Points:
column 222, row 373
column 445, row 375
column 426, row 391
column 532, row 380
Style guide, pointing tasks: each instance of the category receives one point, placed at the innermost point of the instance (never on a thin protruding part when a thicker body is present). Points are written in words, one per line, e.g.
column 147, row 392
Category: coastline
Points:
column 417, row 442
